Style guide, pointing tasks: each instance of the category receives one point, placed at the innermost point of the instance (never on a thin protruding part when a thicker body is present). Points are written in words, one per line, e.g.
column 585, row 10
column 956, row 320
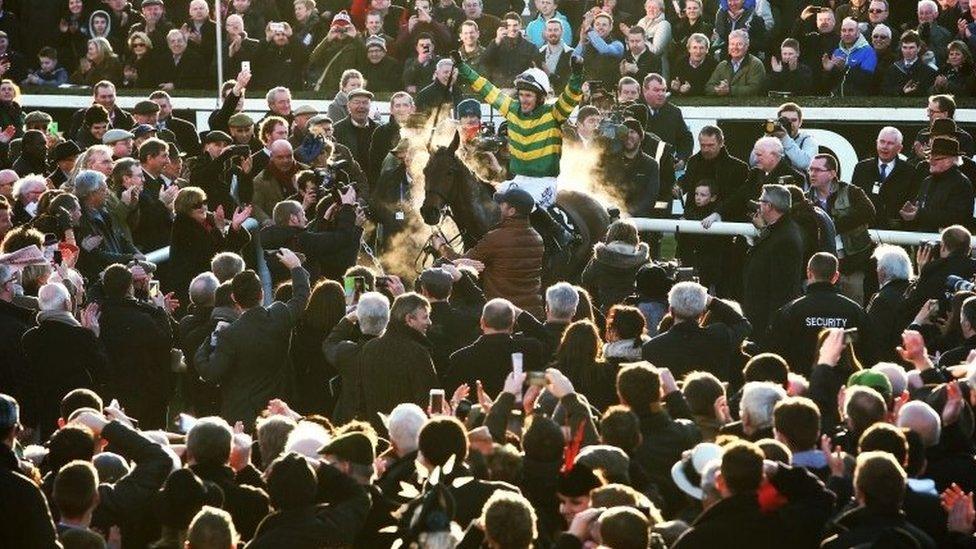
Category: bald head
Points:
column 498, row 316
column 282, row 155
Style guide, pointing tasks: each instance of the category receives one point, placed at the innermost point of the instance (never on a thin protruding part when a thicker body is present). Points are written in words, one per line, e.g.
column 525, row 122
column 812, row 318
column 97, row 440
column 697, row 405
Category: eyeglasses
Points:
column 812, row 169
column 876, row 11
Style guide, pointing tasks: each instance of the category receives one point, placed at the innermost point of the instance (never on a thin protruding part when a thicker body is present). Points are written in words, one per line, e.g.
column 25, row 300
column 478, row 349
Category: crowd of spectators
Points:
column 801, row 385
column 739, row 48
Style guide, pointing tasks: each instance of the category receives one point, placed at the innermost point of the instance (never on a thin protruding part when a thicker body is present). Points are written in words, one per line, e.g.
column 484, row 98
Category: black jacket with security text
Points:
column 793, row 330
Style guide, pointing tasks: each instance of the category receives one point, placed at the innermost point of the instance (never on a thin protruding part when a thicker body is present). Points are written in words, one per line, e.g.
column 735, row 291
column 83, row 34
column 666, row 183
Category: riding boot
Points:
column 554, row 235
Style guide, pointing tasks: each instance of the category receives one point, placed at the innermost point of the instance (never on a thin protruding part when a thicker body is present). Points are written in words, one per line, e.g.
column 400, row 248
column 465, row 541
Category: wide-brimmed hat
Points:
column 687, row 472
column 943, row 146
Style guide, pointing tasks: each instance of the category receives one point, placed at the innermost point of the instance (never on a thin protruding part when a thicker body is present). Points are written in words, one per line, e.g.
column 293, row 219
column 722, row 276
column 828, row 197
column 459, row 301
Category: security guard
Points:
column 794, row 329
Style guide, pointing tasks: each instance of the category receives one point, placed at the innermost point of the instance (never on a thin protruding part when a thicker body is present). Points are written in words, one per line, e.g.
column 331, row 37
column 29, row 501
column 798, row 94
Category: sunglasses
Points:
column 876, row 11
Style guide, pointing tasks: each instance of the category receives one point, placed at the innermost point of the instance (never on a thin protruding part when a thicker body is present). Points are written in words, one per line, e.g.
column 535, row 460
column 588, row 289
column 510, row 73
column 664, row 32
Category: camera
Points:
column 239, row 151
column 487, row 140
column 781, row 124
column 959, row 284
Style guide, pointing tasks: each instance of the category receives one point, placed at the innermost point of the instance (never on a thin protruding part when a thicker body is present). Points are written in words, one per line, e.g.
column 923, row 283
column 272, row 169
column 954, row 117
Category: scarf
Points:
column 63, row 317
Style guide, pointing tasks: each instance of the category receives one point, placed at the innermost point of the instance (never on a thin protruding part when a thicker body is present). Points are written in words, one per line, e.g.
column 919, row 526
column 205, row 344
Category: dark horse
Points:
column 448, row 183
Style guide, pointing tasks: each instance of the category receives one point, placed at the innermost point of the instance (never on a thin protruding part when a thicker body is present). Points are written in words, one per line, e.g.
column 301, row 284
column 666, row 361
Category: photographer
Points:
column 223, row 172
column 798, row 147
column 936, row 261
column 327, row 252
column 634, row 173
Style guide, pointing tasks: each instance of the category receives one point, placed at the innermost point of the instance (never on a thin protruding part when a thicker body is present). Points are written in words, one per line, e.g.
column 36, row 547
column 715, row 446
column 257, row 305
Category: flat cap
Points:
column 360, row 92
column 354, row 447
column 37, row 117
column 240, row 120
column 305, row 109
column 217, row 136
column 145, row 107
column 115, row 135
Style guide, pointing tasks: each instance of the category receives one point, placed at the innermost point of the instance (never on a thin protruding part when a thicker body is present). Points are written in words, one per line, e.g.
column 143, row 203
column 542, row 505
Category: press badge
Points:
column 877, row 188
column 399, row 216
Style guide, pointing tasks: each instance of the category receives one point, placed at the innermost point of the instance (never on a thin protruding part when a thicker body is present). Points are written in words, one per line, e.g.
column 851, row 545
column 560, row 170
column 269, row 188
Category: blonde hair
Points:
column 187, row 198
column 103, row 47
column 141, row 36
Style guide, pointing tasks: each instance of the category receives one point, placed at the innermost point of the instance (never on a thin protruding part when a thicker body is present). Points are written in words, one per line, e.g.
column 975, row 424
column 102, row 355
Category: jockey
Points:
column 534, row 135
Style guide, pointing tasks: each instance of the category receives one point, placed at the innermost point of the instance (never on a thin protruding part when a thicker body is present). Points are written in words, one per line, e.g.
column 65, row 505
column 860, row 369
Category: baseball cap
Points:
column 875, row 380
column 518, row 198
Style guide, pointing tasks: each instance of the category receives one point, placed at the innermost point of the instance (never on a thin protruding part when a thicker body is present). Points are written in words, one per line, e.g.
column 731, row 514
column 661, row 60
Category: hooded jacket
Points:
column 857, row 75
column 609, row 276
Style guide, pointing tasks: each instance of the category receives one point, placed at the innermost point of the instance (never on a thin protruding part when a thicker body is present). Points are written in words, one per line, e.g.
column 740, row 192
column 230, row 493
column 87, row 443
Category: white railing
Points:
column 724, row 228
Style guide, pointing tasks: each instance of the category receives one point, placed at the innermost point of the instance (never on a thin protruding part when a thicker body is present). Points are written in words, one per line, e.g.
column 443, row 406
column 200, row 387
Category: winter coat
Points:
column 897, row 75
column 857, row 76
column 247, row 505
column 609, row 276
column 749, row 80
column 114, row 247
column 250, row 360
column 773, row 272
column 886, row 311
column 335, row 524
column 385, row 76
column 512, row 254
column 943, row 199
column 507, row 60
column 137, row 338
column 489, row 359
column 794, row 329
column 194, row 329
column 329, row 251
column 735, row 517
column 330, row 59
column 663, row 441
column 688, row 346
column 24, row 505
column 343, row 348
column 60, row 357
column 389, row 381
column 862, row 525
column 129, row 501
column 193, row 244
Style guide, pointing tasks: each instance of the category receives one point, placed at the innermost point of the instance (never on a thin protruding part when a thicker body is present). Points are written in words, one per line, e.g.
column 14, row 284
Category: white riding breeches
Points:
column 542, row 189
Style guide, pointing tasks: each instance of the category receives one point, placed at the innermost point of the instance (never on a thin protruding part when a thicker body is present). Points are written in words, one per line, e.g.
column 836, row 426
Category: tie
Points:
column 884, row 172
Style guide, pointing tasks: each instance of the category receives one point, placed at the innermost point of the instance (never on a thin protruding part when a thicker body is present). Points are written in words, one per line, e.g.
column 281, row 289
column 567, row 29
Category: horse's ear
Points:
column 455, row 143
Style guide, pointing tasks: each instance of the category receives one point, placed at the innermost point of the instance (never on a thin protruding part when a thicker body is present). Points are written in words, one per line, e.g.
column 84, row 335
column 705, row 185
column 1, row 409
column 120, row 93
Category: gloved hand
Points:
column 456, row 57
column 576, row 63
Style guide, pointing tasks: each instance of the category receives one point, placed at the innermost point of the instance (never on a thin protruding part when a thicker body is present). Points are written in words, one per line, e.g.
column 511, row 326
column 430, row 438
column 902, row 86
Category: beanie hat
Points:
column 577, row 482
column 342, row 19
column 96, row 114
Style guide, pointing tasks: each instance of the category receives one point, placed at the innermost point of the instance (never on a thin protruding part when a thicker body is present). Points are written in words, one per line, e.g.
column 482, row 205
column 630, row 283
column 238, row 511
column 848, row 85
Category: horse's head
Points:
column 442, row 175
